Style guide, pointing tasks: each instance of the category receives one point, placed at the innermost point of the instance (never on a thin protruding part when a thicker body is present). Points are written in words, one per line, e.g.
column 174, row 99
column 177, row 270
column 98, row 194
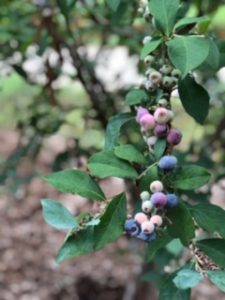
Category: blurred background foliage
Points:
column 66, row 67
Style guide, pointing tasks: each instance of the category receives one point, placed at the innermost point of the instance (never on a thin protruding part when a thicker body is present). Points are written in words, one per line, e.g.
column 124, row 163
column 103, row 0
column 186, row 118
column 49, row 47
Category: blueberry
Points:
column 145, row 196
column 168, row 162
column 174, row 136
column 147, row 237
column 141, row 112
column 161, row 130
column 159, row 199
column 132, row 227
column 172, row 200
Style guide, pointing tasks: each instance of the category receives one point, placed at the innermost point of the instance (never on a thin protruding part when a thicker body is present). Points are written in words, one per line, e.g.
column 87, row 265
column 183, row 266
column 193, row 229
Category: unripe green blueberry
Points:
column 140, row 10
column 147, row 227
column 174, row 80
column 146, row 39
column 167, row 81
column 176, row 73
column 146, row 15
column 140, row 218
column 147, row 207
column 149, row 71
column 155, row 77
column 145, row 196
column 166, row 69
column 150, row 86
column 163, row 102
column 156, row 220
column 156, row 186
column 170, row 115
column 149, row 59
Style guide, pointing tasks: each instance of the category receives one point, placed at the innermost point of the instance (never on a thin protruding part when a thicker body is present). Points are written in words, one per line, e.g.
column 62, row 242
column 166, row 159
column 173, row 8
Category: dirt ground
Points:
column 28, row 246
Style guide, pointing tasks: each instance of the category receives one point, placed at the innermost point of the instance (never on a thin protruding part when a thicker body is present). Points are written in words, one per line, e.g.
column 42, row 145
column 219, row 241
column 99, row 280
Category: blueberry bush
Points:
column 172, row 54
column 171, row 214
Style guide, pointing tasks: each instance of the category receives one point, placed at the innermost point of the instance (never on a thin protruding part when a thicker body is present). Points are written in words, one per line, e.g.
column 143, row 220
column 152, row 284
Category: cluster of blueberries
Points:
column 158, row 125
column 144, row 224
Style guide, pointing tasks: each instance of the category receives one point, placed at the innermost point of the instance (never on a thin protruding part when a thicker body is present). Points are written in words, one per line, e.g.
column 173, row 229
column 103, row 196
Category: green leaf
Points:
column 56, row 215
column 151, row 175
column 214, row 248
column 188, row 52
column 182, row 225
column 168, row 290
column 105, row 164
column 186, row 279
column 111, row 226
column 136, row 97
column 113, row 4
column 113, row 129
column 218, row 278
column 210, row 217
column 190, row 20
column 75, row 182
column 78, row 244
column 164, row 12
column 159, row 148
column 130, row 153
column 161, row 241
column 94, row 237
column 150, row 47
column 194, row 98
column 175, row 247
column 190, row 177
column 212, row 61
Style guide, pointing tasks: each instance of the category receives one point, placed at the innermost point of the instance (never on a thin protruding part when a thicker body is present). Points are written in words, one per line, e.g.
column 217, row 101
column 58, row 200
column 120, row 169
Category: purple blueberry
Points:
column 172, row 200
column 141, row 112
column 168, row 162
column 174, row 136
column 132, row 227
column 158, row 199
column 147, row 237
column 161, row 130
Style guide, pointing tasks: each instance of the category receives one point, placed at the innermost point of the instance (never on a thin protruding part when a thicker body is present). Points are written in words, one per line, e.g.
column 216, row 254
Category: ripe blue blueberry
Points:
column 132, row 227
column 147, row 237
column 172, row 200
column 168, row 162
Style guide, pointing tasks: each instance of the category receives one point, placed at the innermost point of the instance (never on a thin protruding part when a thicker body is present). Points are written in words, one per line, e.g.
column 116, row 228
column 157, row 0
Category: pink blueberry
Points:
column 141, row 112
column 174, row 136
column 161, row 130
column 156, row 186
column 140, row 218
column 147, row 227
column 159, row 199
column 156, row 220
column 161, row 115
column 147, row 121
